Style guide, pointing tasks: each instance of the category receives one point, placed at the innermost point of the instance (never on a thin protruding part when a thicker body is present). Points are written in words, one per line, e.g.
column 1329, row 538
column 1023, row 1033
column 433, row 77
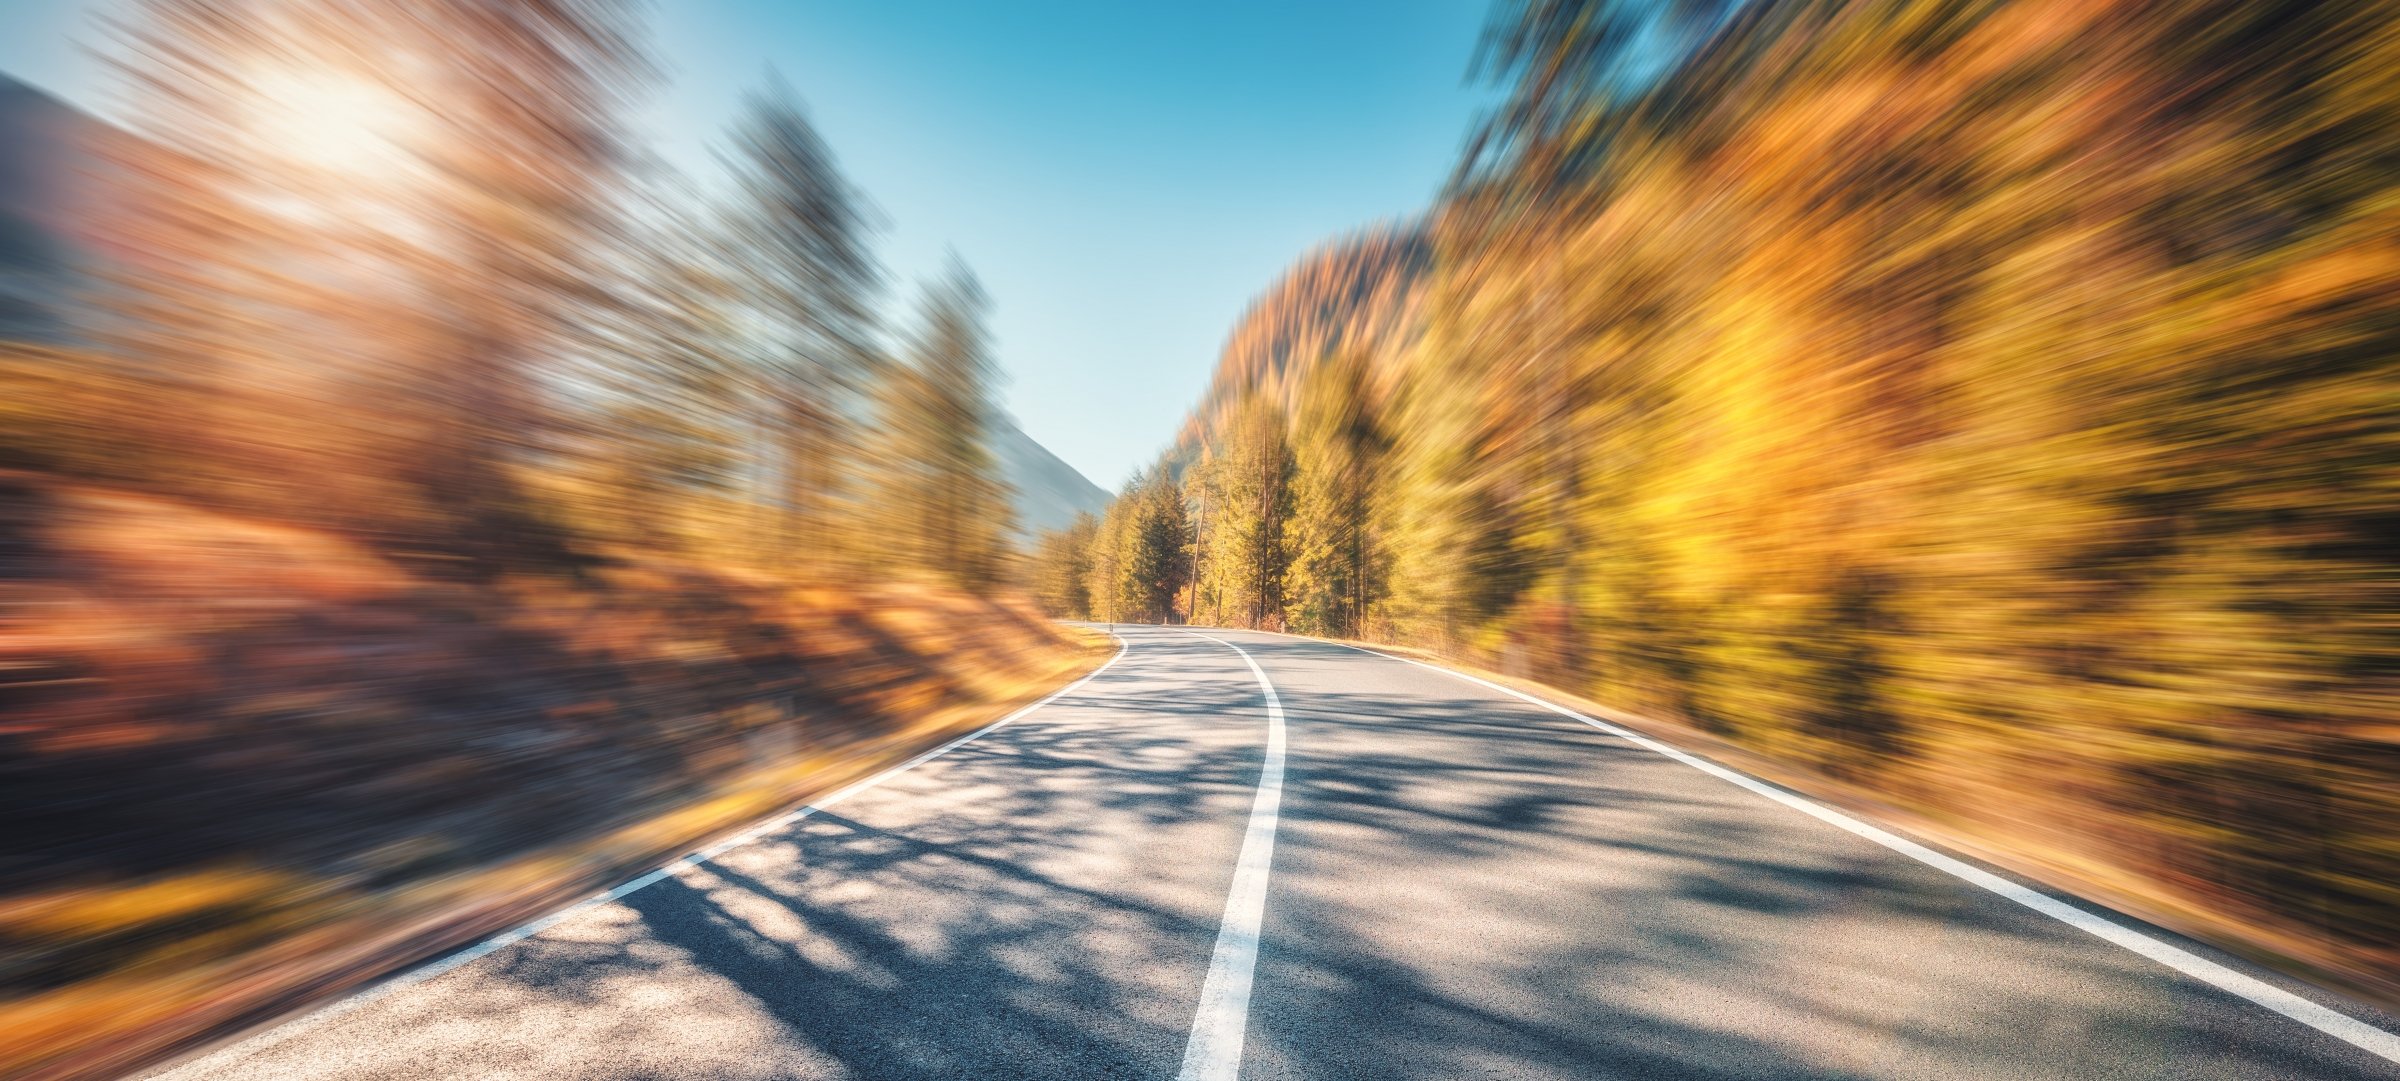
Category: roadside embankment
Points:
column 254, row 766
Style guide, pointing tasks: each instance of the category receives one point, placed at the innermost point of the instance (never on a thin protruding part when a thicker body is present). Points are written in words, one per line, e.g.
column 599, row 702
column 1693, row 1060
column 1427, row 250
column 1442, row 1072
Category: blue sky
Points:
column 1124, row 176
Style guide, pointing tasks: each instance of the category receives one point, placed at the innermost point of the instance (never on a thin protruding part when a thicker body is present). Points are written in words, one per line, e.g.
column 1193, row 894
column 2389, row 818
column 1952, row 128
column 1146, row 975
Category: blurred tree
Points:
column 1249, row 495
column 668, row 395
column 530, row 136
column 1573, row 69
column 1156, row 563
column 1062, row 568
column 949, row 506
column 800, row 234
column 1111, row 545
column 359, row 291
column 1332, row 576
column 1202, row 604
column 1986, row 405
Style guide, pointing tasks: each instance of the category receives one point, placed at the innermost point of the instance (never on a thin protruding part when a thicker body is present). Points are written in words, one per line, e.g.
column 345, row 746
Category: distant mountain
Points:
column 43, row 145
column 1049, row 492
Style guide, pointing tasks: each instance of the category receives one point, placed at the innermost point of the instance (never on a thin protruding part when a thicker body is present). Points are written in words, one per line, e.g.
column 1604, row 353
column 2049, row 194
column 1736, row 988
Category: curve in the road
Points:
column 1215, row 1050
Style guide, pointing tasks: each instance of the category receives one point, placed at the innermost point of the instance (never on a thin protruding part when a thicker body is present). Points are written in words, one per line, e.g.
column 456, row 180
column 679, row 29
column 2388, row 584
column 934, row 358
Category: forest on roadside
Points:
column 1987, row 410
column 421, row 507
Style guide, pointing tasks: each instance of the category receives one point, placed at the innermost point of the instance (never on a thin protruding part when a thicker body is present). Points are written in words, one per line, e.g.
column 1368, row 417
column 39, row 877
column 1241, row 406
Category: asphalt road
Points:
column 1448, row 882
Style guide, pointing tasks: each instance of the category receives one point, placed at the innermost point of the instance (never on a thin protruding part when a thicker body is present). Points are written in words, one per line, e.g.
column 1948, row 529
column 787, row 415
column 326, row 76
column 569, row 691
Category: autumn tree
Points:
column 1155, row 562
column 1203, row 604
column 1740, row 390
column 1250, row 497
column 1105, row 577
column 1332, row 575
column 1062, row 568
column 946, row 506
column 799, row 233
column 657, row 450
column 355, row 283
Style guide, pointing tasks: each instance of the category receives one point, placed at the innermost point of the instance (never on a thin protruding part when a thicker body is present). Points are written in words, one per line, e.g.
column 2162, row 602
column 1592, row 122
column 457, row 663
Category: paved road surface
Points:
column 1452, row 883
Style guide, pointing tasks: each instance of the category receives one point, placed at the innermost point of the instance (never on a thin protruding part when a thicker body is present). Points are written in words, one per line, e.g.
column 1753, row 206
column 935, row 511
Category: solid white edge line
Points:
column 310, row 1021
column 2334, row 1023
column 1214, row 1052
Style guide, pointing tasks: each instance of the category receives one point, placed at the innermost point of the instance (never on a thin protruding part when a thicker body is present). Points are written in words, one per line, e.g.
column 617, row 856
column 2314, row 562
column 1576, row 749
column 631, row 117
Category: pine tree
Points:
column 1331, row 579
column 1250, row 500
column 1107, row 575
column 800, row 235
column 1160, row 536
column 947, row 506
column 1062, row 568
column 533, row 139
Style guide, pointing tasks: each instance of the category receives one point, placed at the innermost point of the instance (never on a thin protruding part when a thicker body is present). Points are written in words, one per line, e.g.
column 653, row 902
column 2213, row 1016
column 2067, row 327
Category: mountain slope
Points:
column 42, row 145
column 1049, row 492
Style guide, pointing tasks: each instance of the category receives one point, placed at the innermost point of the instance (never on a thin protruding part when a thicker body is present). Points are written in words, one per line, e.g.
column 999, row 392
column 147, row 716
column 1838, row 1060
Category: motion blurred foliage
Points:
column 433, row 508
column 1992, row 409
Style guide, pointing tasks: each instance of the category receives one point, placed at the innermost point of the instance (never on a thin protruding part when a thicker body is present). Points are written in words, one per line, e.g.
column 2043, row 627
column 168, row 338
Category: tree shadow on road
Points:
column 1462, row 888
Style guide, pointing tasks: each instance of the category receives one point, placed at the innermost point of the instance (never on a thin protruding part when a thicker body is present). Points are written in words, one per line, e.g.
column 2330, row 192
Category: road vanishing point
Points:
column 1230, row 854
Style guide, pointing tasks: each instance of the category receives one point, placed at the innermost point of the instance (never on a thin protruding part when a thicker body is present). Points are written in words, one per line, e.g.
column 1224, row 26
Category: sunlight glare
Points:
column 340, row 126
